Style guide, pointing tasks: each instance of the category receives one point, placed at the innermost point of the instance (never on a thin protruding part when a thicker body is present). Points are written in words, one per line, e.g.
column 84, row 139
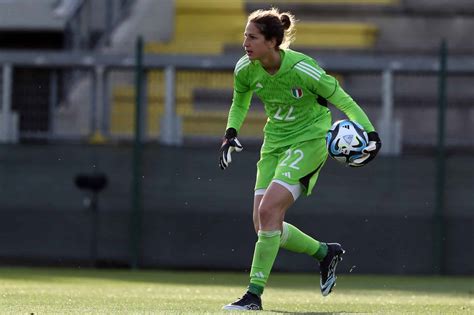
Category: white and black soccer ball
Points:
column 345, row 141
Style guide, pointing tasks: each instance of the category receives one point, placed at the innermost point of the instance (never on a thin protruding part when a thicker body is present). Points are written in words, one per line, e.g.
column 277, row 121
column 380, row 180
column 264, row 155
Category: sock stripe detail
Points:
column 285, row 233
column 269, row 233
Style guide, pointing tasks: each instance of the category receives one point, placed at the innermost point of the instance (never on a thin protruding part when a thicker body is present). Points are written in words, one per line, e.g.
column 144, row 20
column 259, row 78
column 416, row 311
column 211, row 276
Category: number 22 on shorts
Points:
column 289, row 153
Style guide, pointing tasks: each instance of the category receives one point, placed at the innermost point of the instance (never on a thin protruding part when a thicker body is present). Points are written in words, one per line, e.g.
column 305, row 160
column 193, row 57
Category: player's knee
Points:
column 267, row 215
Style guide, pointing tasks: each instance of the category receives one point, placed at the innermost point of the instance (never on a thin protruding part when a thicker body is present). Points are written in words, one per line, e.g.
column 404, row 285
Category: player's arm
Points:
column 239, row 109
column 329, row 88
column 237, row 113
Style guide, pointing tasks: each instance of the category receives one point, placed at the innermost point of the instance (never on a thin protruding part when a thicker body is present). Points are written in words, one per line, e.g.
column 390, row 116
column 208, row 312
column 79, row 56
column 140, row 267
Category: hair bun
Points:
column 285, row 20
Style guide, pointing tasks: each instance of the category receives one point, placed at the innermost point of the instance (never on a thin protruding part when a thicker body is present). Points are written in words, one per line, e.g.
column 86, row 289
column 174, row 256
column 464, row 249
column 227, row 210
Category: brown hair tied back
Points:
column 273, row 24
column 285, row 21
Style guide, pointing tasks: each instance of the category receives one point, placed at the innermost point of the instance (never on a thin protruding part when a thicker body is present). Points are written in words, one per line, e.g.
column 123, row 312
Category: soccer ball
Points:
column 345, row 141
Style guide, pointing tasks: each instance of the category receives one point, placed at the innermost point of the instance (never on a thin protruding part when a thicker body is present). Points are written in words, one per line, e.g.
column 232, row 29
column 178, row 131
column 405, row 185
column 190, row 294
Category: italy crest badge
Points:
column 297, row 92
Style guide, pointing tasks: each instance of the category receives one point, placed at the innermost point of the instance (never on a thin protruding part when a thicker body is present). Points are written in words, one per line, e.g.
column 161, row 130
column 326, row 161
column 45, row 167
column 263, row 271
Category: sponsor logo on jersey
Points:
column 297, row 92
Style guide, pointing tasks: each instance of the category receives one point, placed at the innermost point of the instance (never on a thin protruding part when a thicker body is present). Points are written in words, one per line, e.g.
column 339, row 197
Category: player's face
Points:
column 255, row 44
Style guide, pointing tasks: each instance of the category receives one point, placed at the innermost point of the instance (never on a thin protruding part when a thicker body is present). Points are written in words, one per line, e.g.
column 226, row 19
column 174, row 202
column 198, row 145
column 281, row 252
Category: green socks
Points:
column 266, row 250
column 321, row 252
column 296, row 241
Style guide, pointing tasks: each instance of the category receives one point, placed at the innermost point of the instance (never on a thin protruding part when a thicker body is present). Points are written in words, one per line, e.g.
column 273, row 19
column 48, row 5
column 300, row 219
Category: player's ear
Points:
column 271, row 43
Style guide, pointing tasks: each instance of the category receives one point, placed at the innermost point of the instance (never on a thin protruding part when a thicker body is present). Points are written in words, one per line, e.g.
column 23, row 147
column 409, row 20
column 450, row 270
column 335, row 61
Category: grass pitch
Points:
column 90, row 291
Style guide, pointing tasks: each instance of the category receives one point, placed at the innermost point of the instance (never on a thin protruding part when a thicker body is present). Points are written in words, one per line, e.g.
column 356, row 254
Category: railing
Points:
column 100, row 66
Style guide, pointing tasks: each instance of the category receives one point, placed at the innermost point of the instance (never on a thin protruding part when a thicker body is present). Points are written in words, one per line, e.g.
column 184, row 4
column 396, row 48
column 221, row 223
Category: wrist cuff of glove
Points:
column 230, row 133
column 373, row 136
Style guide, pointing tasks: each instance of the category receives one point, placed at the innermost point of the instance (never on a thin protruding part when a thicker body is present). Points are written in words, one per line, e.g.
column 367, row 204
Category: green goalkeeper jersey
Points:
column 291, row 97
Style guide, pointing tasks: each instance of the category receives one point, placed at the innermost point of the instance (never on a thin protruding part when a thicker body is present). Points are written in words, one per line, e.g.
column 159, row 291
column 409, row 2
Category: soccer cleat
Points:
column 249, row 302
column 328, row 266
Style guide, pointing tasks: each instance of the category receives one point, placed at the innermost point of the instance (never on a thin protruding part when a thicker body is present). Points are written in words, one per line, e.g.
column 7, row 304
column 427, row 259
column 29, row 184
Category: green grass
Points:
column 90, row 291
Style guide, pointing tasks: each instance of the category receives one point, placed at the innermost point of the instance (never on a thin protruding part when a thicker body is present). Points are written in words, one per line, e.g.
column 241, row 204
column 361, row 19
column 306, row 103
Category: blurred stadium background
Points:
column 74, row 75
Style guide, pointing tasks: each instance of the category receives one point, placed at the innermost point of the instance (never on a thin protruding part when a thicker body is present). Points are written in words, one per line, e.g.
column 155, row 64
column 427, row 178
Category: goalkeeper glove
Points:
column 229, row 144
column 370, row 151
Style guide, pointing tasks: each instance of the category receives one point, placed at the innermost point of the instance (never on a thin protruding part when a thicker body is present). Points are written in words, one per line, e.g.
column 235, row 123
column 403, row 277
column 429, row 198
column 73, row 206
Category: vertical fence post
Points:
column 98, row 81
column 53, row 101
column 7, row 128
column 439, row 230
column 171, row 131
column 389, row 127
column 93, row 101
column 105, row 124
column 387, row 110
column 144, row 105
column 136, row 220
column 6, row 101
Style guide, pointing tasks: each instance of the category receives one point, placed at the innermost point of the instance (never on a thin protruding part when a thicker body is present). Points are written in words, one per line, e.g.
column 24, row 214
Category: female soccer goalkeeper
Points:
column 295, row 91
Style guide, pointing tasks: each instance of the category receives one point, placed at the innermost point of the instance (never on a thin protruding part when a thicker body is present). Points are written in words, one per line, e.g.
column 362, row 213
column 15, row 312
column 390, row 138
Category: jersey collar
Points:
column 284, row 67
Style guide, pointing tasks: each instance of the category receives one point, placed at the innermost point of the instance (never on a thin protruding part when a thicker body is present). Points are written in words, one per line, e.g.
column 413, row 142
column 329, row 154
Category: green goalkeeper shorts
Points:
column 298, row 163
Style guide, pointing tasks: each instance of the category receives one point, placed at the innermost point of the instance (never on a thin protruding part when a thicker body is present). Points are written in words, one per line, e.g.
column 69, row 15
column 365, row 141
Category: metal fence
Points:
column 44, row 219
column 188, row 96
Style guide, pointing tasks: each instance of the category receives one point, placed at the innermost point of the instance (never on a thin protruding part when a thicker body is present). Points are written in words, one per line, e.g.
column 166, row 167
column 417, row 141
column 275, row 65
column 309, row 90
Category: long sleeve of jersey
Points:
column 238, row 110
column 330, row 89
column 240, row 103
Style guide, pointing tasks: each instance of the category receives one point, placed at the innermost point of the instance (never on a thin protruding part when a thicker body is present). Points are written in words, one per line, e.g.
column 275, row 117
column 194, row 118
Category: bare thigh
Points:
column 270, row 209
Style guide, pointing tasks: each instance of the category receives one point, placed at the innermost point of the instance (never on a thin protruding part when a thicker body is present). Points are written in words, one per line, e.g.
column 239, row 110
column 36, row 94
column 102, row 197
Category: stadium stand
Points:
column 196, row 20
column 187, row 81
column 381, row 27
column 52, row 25
column 208, row 27
column 203, row 27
